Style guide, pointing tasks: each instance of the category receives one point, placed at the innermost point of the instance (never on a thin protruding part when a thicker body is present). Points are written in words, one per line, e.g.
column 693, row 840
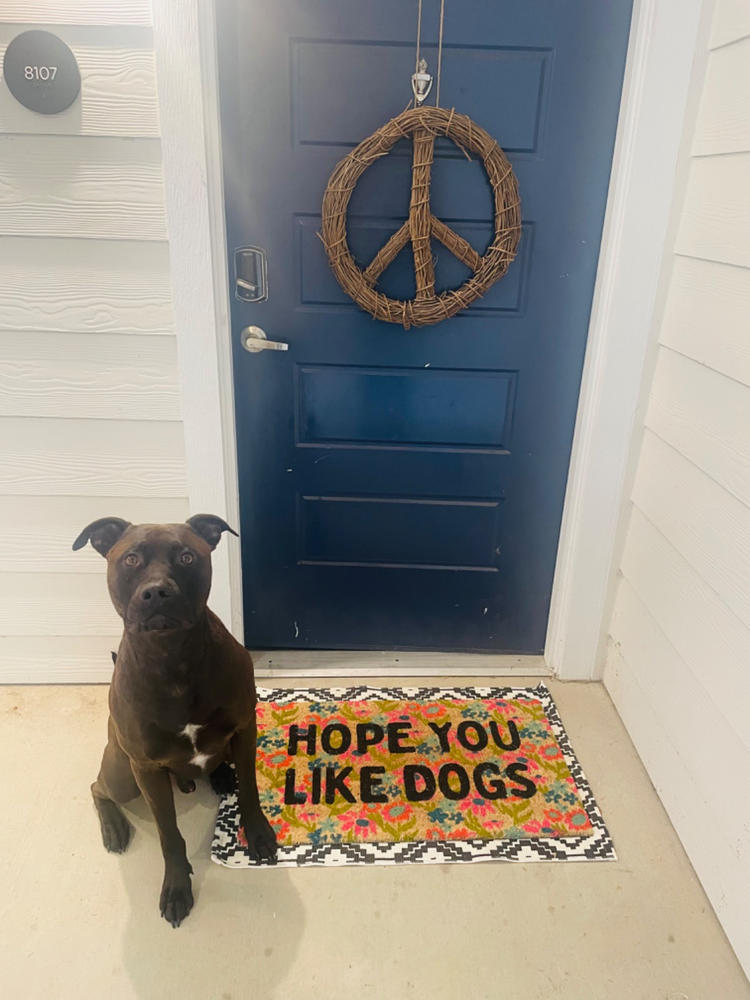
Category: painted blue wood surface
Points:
column 405, row 489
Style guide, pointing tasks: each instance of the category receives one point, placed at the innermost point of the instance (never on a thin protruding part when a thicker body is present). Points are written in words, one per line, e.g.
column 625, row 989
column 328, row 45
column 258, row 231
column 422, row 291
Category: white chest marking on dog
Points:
column 191, row 732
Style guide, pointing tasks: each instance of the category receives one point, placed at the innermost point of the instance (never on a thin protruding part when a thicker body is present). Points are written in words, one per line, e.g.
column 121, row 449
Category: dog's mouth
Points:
column 160, row 623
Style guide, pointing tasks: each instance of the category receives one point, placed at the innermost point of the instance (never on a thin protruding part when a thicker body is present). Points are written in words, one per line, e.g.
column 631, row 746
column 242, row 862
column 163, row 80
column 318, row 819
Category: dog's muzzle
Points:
column 157, row 607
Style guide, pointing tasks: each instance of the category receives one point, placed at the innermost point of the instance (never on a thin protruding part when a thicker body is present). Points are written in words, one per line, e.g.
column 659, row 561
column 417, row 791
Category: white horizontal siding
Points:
column 92, row 457
column 731, row 22
column 709, row 526
column 676, row 691
column 705, row 296
column 88, row 375
column 90, row 409
column 85, row 286
column 69, row 604
column 715, row 221
column 712, row 641
column 719, row 855
column 37, row 532
column 678, row 660
column 81, row 186
column 724, row 118
column 76, row 11
column 58, row 659
column 704, row 415
column 118, row 86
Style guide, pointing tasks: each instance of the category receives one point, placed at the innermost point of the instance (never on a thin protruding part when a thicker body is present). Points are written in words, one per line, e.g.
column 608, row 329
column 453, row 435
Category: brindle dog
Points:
column 182, row 698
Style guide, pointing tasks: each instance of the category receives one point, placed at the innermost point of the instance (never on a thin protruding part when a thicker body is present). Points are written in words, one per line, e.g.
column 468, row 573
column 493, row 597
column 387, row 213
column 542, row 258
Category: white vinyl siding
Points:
column 90, row 409
column 678, row 661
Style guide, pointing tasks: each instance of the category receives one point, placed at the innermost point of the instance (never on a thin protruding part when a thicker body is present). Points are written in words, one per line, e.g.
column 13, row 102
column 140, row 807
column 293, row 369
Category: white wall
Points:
column 678, row 662
column 89, row 391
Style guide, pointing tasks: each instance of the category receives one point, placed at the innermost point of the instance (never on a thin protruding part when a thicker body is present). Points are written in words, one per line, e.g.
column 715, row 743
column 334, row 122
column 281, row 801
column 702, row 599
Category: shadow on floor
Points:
column 248, row 922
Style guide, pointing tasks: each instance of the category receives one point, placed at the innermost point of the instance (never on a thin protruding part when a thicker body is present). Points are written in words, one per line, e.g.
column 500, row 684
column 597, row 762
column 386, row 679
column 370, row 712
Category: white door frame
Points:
column 662, row 46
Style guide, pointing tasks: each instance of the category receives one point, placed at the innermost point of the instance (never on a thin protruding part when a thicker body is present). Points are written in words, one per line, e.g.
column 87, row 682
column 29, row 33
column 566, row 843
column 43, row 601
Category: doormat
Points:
column 389, row 775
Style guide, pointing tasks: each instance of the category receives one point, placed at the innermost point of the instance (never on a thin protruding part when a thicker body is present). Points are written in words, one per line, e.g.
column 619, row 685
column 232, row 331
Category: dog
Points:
column 182, row 698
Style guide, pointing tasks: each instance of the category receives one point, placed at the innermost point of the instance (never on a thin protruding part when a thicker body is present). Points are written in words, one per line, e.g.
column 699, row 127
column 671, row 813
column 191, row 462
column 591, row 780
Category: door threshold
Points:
column 371, row 663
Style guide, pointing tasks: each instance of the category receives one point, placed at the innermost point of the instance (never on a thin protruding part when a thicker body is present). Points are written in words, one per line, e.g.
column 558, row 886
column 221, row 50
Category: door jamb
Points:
column 188, row 93
column 662, row 47
column 661, row 50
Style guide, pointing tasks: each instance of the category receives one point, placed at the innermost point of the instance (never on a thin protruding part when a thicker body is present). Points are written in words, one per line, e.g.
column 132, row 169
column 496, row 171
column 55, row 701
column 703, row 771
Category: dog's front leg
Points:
column 261, row 840
column 176, row 895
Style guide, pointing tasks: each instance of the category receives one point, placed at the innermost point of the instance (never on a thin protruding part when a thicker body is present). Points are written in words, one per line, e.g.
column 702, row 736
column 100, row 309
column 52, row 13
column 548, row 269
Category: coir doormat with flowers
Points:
column 396, row 775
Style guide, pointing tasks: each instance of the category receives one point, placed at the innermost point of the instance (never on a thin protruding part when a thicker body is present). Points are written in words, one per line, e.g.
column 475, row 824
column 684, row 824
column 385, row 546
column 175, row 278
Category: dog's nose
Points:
column 157, row 591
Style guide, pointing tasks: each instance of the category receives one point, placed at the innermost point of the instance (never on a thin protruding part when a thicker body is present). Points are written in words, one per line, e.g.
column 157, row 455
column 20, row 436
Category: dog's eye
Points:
column 186, row 558
column 131, row 559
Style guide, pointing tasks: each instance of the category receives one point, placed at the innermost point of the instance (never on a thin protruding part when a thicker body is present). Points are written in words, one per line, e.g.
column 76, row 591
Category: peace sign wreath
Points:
column 424, row 125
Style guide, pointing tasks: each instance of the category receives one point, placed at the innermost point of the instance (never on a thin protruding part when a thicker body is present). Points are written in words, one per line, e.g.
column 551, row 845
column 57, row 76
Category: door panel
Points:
column 324, row 113
column 403, row 489
column 340, row 405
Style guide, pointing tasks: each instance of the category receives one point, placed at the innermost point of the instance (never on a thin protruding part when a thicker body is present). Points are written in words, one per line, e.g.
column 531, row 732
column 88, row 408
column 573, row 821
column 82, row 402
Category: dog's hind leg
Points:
column 114, row 784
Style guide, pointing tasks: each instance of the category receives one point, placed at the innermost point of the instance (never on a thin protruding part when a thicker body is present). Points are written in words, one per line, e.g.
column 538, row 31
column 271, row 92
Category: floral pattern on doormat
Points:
column 365, row 775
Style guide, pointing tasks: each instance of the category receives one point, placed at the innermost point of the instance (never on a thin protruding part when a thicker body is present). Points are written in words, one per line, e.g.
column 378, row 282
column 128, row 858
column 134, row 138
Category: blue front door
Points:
column 404, row 489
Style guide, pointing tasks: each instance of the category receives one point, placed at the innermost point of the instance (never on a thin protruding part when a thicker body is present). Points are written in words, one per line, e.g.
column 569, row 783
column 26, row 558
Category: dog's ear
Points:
column 102, row 534
column 209, row 527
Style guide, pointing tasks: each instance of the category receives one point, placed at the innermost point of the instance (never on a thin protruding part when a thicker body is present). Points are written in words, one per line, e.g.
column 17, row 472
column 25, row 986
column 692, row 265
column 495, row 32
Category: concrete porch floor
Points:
column 78, row 923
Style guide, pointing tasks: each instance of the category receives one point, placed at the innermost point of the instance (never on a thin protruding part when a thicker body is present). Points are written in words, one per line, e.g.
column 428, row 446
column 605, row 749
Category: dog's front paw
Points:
column 261, row 841
column 176, row 899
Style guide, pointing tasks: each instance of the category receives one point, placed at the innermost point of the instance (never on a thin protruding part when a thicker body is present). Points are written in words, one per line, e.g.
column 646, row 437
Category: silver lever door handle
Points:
column 254, row 339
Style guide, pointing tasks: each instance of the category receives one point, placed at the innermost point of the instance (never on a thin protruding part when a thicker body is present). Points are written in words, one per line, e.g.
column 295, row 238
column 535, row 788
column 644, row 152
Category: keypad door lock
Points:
column 250, row 274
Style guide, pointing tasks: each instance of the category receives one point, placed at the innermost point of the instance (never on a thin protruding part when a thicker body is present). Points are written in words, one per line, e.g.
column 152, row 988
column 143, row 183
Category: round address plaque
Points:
column 41, row 72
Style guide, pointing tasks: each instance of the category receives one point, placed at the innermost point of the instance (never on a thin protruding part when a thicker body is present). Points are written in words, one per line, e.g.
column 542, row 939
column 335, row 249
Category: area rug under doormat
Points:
column 391, row 775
